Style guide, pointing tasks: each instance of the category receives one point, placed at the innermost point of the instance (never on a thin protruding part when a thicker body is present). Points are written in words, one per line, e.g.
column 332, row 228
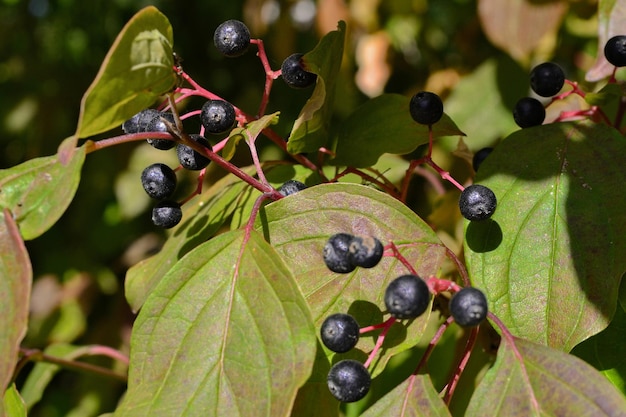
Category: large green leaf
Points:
column 225, row 332
column 559, row 383
column 15, row 281
column 202, row 218
column 298, row 227
column 310, row 130
column 391, row 130
column 135, row 72
column 552, row 259
column 38, row 191
column 413, row 398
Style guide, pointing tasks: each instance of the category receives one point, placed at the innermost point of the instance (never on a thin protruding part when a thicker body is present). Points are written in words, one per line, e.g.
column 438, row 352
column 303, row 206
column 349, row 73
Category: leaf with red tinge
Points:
column 15, row 282
column 550, row 260
column 39, row 191
column 225, row 333
column 517, row 26
column 611, row 21
column 136, row 71
column 299, row 226
column 415, row 397
column 543, row 382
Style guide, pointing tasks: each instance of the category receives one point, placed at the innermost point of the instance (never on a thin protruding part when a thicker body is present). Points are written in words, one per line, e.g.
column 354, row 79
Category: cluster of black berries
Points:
column 232, row 39
column 406, row 297
column 159, row 180
column 546, row 80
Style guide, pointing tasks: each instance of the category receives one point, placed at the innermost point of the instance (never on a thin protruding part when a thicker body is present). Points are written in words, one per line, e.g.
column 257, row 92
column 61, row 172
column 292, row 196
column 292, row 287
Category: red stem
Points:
column 456, row 376
column 379, row 341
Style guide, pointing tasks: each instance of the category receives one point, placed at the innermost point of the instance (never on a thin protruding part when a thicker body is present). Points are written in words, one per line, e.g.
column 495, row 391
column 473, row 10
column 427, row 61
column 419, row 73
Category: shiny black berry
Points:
column 480, row 156
column 365, row 251
column 337, row 253
column 407, row 297
column 166, row 214
column 349, row 381
column 232, row 38
column 477, row 202
column 615, row 50
column 139, row 122
column 529, row 112
column 191, row 159
column 468, row 307
column 291, row 187
column 217, row 116
column 294, row 74
column 547, row 79
column 157, row 124
column 340, row 332
column 426, row 108
column 159, row 181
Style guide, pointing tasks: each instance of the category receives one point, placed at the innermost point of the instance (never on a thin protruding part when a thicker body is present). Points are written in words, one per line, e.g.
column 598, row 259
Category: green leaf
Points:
column 605, row 351
column 13, row 404
column 251, row 131
column 608, row 94
column 15, row 282
column 135, row 72
column 225, row 332
column 43, row 372
column 414, row 397
column 202, row 218
column 561, row 384
column 299, row 226
column 551, row 259
column 310, row 130
column 390, row 129
column 38, row 191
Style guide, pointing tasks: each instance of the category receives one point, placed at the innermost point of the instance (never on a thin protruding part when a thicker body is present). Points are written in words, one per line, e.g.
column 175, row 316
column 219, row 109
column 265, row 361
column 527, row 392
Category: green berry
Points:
column 407, row 297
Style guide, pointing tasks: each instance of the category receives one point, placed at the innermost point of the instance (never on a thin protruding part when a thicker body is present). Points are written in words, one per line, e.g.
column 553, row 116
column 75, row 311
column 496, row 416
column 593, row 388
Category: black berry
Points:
column 547, row 79
column 139, row 122
column 340, row 332
column 479, row 157
column 477, row 202
column 349, row 381
column 217, row 116
column 469, row 307
column 157, row 124
column 426, row 108
column 294, row 74
column 337, row 253
column 291, row 187
column 232, row 38
column 191, row 159
column 407, row 297
column 159, row 181
column 365, row 251
column 529, row 112
column 166, row 214
column 615, row 51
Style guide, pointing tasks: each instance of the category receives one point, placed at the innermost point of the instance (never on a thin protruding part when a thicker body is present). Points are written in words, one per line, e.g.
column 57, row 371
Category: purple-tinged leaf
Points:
column 541, row 381
column 611, row 21
column 225, row 332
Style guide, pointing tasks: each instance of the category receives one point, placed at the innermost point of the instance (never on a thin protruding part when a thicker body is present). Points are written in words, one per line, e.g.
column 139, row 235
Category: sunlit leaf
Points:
column 225, row 332
column 15, row 282
column 611, row 21
column 248, row 132
column 202, row 218
column 310, row 130
column 507, row 24
column 392, row 130
column 550, row 260
column 136, row 71
column 39, row 190
column 415, row 397
column 13, row 404
column 543, row 382
column 298, row 227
